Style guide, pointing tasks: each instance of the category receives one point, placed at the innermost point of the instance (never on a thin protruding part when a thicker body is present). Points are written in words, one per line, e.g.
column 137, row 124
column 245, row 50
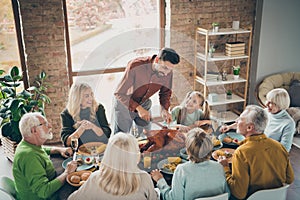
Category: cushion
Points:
column 295, row 114
column 294, row 92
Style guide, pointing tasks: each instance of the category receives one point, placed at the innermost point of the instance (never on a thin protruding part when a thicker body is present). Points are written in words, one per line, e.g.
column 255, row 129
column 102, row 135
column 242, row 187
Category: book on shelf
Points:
column 235, row 44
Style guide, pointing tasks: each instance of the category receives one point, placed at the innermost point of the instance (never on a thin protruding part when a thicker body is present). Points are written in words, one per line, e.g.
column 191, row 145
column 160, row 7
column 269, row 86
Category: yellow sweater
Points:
column 258, row 163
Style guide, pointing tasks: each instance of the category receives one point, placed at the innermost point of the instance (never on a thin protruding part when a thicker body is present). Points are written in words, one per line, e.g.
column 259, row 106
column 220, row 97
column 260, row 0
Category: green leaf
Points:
column 32, row 88
column 1, row 71
column 25, row 94
column 8, row 78
column 42, row 75
column 14, row 71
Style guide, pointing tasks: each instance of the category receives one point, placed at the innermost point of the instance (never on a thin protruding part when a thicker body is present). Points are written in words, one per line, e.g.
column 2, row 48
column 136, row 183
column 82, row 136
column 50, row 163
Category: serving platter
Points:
column 90, row 147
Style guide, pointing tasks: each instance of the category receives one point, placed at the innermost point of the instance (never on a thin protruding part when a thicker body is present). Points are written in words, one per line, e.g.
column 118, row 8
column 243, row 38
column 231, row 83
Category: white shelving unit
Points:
column 205, row 79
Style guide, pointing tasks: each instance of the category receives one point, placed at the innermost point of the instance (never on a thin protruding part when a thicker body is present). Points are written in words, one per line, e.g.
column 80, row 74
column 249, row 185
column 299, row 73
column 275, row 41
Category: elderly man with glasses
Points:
column 33, row 171
column 144, row 77
column 259, row 162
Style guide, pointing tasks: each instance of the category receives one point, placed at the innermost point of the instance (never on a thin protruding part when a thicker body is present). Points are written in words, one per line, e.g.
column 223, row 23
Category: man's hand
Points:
column 223, row 161
column 65, row 152
column 143, row 113
column 166, row 116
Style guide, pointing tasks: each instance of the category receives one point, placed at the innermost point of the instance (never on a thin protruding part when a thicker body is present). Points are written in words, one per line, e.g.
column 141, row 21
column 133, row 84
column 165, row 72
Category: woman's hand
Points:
column 86, row 125
column 156, row 175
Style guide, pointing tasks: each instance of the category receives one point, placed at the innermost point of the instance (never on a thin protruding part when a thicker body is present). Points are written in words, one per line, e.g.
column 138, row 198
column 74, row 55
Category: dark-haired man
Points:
column 143, row 78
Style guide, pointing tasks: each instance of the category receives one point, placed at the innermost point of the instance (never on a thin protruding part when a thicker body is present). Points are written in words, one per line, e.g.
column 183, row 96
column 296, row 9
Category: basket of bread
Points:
column 76, row 179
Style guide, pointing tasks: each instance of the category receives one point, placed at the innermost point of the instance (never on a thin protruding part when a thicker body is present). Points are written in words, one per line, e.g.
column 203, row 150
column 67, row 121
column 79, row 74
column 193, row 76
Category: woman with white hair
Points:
column 83, row 117
column 118, row 176
column 200, row 177
column 281, row 126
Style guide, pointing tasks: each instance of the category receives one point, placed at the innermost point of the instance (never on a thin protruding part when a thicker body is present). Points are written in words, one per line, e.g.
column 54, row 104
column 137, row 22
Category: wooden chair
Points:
column 270, row 194
column 217, row 197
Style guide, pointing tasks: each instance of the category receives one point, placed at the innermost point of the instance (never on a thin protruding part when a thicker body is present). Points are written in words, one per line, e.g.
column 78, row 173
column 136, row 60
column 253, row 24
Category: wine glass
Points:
column 74, row 146
column 95, row 156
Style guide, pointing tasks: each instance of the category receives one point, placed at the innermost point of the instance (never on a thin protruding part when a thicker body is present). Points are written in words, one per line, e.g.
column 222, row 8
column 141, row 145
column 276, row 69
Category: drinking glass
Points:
column 147, row 156
column 74, row 146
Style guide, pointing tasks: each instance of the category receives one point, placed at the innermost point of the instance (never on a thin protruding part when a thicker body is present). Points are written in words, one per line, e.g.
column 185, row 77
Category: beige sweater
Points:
column 90, row 190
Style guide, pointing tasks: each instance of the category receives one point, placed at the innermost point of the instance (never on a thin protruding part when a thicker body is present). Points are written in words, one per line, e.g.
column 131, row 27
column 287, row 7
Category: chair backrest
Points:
column 217, row 197
column 270, row 194
column 7, row 185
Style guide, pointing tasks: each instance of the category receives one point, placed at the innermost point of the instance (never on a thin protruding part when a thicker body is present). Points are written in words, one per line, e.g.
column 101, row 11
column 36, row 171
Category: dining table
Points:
column 157, row 158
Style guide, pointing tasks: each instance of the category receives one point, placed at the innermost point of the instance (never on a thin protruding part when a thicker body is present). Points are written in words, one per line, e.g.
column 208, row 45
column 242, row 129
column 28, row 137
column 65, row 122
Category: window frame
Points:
column 71, row 73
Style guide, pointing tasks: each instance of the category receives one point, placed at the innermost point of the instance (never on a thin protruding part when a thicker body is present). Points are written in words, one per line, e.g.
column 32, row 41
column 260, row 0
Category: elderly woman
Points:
column 200, row 177
column 281, row 126
column 119, row 176
column 83, row 117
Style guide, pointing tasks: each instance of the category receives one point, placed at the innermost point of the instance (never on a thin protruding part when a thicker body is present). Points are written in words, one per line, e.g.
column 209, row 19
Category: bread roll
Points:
column 75, row 179
column 85, row 176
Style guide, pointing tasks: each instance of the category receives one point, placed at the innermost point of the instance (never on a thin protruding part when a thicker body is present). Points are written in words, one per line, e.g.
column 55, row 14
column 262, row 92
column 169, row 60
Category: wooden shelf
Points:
column 214, row 82
column 219, row 57
column 222, row 100
column 222, row 31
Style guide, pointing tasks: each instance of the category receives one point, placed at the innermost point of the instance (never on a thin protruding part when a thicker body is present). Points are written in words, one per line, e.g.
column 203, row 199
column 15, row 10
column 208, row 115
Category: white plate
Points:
column 79, row 168
column 161, row 163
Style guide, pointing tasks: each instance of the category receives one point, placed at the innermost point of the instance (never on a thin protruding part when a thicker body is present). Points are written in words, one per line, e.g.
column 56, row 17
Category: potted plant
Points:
column 215, row 26
column 229, row 94
column 211, row 50
column 236, row 72
column 15, row 103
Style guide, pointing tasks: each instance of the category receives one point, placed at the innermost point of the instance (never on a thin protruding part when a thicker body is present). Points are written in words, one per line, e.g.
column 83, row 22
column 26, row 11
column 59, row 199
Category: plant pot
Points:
column 216, row 29
column 9, row 147
column 236, row 77
column 228, row 96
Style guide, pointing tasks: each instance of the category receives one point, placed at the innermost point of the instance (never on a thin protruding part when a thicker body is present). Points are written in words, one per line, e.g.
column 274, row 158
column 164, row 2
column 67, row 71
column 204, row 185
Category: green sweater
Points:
column 34, row 173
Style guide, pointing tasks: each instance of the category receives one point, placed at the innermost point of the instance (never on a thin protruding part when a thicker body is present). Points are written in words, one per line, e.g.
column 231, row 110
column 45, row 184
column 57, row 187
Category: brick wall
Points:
column 43, row 30
column 187, row 15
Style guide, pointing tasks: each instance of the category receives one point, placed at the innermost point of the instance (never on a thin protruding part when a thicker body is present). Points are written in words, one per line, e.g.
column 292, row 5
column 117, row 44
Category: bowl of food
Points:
column 76, row 179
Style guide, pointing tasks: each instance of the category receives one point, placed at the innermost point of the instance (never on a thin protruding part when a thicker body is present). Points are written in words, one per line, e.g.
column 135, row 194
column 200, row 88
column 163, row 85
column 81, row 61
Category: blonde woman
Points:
column 193, row 112
column 200, row 177
column 119, row 176
column 83, row 117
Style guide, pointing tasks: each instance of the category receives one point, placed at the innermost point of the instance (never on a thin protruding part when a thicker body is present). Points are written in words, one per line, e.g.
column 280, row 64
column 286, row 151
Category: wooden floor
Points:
column 293, row 191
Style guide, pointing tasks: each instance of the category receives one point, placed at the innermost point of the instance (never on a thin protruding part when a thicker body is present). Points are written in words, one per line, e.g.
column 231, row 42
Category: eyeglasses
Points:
column 45, row 123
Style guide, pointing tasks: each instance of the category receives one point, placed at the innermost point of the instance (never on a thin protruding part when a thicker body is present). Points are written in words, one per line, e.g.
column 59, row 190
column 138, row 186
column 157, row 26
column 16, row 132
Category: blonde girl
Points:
column 192, row 112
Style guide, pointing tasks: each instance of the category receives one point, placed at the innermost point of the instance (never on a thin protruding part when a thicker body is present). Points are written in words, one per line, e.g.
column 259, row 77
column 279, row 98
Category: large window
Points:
column 9, row 53
column 104, row 35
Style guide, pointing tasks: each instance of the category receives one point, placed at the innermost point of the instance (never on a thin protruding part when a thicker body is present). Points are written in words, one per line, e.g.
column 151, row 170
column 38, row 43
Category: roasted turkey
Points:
column 164, row 139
